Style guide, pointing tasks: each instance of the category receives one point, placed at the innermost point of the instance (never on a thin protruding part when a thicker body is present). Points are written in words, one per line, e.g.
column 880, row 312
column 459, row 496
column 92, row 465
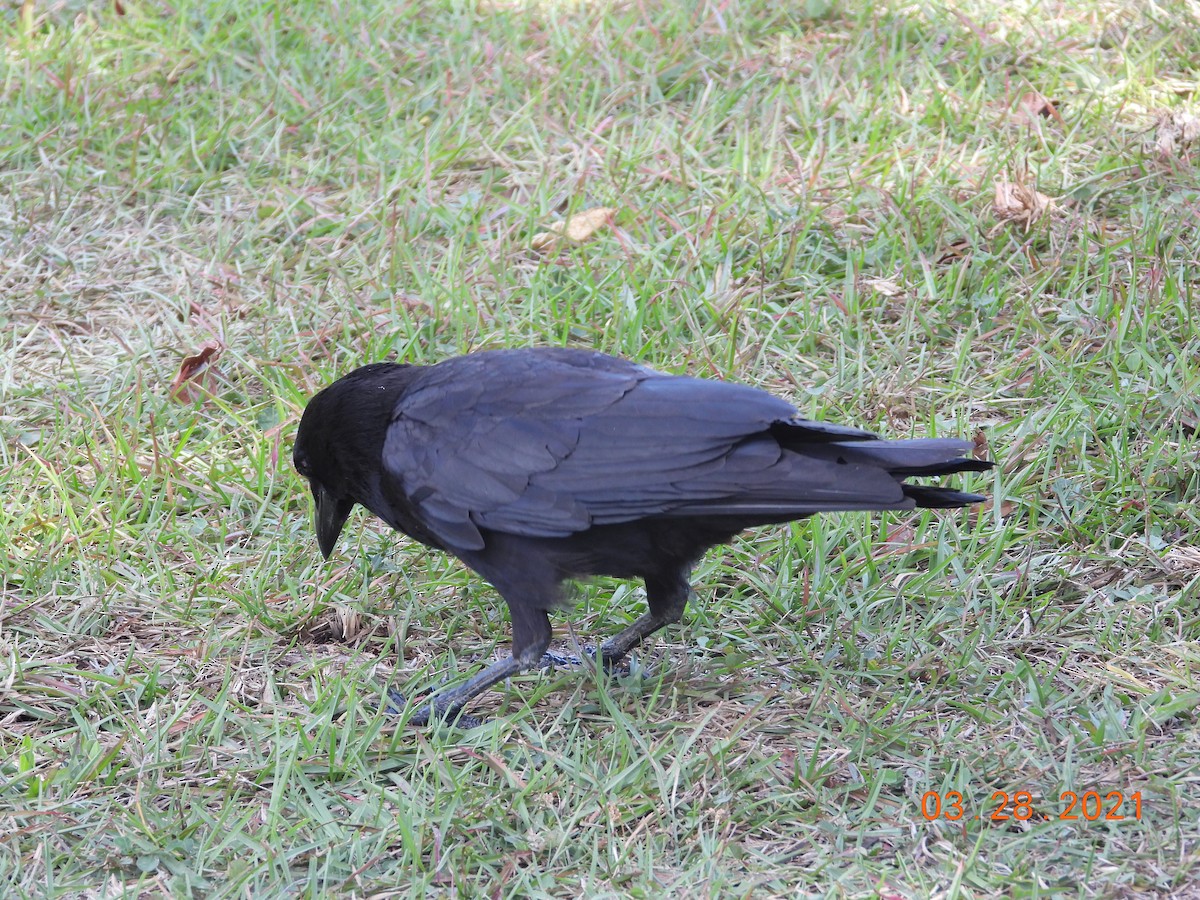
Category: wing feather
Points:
column 548, row 443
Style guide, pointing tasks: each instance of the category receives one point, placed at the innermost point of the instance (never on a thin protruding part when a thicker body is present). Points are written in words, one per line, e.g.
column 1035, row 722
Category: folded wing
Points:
column 549, row 443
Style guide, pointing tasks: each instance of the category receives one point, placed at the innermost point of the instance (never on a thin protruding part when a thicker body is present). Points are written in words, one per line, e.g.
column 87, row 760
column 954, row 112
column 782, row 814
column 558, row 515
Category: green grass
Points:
column 190, row 699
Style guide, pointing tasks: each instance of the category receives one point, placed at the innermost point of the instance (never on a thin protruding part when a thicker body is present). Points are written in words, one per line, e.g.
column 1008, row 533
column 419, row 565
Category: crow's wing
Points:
column 548, row 443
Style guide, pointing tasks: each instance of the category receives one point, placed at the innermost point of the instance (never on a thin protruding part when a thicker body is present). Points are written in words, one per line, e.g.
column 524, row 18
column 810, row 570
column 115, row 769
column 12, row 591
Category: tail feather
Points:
column 913, row 459
column 924, row 456
column 928, row 497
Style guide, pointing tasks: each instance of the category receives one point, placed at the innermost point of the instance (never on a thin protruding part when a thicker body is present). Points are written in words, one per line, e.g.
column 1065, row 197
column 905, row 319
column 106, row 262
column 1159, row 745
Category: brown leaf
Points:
column 976, row 512
column 578, row 228
column 342, row 625
column 194, row 372
column 1016, row 202
column 1175, row 131
column 1033, row 106
column 982, row 450
column 955, row 250
column 1183, row 559
column 883, row 286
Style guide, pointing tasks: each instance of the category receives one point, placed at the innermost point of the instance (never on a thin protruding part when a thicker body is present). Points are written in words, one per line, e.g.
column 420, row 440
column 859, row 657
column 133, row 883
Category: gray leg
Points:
column 531, row 637
column 667, row 599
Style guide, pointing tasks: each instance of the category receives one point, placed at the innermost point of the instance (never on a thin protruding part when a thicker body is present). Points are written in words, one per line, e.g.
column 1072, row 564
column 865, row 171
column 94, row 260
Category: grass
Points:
column 190, row 699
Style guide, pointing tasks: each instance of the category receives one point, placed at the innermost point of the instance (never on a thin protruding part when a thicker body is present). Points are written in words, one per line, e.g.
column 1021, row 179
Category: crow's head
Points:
column 315, row 456
column 339, row 444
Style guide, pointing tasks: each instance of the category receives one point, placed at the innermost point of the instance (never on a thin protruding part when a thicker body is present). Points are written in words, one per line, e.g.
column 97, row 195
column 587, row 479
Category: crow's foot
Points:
column 396, row 703
column 554, row 660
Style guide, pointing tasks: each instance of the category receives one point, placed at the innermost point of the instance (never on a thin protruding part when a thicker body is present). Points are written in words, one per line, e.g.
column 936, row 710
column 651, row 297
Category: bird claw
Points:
column 395, row 704
column 551, row 660
column 620, row 668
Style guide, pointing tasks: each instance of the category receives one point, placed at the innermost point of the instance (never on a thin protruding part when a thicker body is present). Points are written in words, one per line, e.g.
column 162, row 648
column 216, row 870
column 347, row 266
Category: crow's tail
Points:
column 939, row 497
column 856, row 471
column 915, row 459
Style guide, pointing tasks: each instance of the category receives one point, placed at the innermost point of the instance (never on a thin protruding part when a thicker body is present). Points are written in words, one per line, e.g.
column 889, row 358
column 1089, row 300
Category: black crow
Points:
column 540, row 465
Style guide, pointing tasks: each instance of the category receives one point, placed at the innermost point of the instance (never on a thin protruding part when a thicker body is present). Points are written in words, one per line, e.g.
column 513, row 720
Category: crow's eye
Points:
column 301, row 465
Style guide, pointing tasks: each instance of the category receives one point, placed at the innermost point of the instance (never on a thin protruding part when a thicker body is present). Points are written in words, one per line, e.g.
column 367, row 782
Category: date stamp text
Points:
column 1090, row 806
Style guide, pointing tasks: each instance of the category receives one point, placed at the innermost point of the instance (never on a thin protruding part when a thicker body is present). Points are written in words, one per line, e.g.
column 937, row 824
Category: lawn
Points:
column 977, row 220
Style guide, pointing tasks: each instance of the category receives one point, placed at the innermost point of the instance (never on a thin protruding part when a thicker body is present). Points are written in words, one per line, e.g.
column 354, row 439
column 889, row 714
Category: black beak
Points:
column 332, row 513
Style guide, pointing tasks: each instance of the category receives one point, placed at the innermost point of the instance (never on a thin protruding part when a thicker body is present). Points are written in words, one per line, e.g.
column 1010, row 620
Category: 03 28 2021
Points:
column 1089, row 806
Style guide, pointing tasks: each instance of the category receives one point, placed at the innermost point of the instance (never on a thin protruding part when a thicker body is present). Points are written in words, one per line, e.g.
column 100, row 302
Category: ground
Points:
column 977, row 220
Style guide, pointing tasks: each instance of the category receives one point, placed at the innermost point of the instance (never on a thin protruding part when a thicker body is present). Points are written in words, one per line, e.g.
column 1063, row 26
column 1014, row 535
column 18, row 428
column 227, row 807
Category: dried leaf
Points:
column 1183, row 559
column 578, row 228
column 1175, row 131
column 349, row 622
column 194, row 371
column 955, row 250
column 987, row 507
column 982, row 450
column 1033, row 106
column 1015, row 202
column 883, row 286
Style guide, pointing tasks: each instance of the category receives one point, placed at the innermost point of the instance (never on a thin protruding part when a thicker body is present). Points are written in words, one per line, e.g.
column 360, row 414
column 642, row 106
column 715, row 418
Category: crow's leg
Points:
column 531, row 637
column 667, row 598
